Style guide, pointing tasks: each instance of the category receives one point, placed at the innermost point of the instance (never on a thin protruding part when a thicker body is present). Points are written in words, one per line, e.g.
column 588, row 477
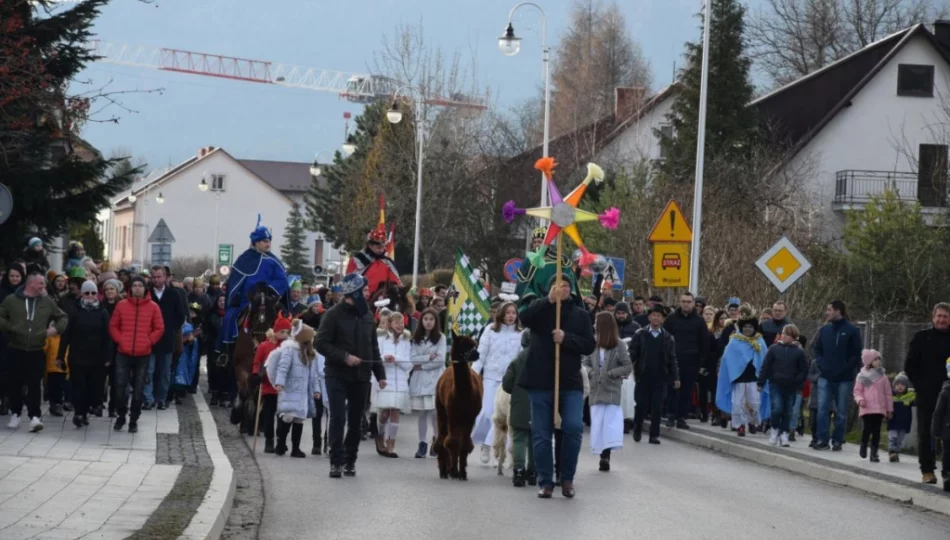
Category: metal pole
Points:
column 547, row 104
column 700, row 144
column 419, row 140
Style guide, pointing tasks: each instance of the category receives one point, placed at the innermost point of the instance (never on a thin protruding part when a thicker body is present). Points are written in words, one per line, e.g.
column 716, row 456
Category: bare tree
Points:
column 792, row 38
column 595, row 56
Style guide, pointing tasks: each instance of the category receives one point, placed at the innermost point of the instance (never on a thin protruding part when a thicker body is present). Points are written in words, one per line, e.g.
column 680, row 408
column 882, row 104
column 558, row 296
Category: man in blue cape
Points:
column 257, row 268
column 736, row 392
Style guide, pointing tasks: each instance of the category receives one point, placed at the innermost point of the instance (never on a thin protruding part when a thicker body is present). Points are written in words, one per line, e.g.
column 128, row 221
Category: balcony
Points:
column 855, row 188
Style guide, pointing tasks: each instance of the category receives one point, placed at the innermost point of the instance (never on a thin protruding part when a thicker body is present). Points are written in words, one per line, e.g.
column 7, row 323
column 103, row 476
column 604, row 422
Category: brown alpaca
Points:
column 458, row 400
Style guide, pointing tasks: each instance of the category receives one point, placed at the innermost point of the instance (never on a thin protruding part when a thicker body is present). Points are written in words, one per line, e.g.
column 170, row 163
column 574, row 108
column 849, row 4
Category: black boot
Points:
column 214, row 400
column 269, row 446
column 423, row 450
column 282, row 430
column 532, row 478
column 119, row 423
column 296, row 433
column 518, row 480
column 863, row 452
column 317, row 446
column 874, row 456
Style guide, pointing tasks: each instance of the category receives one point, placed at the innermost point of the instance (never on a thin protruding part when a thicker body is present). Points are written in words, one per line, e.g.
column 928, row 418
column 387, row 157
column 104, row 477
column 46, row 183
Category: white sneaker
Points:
column 14, row 421
column 773, row 437
column 36, row 425
column 784, row 440
column 486, row 454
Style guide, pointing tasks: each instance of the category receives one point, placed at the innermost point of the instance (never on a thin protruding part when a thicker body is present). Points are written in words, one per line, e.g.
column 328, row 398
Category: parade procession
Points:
column 712, row 302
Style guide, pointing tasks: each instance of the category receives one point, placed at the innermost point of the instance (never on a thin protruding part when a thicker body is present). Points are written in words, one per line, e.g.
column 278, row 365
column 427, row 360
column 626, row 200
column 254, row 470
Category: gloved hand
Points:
column 254, row 379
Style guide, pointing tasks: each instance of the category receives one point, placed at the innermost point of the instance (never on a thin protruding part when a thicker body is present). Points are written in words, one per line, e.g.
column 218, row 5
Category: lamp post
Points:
column 394, row 116
column 509, row 44
column 700, row 144
column 203, row 186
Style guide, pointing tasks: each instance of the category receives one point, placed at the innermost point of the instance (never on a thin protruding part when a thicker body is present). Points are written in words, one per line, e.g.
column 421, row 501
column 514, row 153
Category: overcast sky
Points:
column 271, row 122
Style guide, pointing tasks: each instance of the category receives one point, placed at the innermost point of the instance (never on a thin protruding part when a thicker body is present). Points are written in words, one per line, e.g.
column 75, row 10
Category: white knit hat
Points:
column 89, row 286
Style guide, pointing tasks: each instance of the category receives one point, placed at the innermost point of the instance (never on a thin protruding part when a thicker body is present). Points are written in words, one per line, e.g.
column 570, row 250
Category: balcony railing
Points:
column 854, row 187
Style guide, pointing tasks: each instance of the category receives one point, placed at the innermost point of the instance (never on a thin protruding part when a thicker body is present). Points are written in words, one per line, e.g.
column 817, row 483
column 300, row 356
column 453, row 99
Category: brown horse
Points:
column 258, row 318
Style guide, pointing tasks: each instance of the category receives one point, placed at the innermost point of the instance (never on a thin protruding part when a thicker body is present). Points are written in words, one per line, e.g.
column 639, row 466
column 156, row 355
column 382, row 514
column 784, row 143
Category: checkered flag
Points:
column 470, row 310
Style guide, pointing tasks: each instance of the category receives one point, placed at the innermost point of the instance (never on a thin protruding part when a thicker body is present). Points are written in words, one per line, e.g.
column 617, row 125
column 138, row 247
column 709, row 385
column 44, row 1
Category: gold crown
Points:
column 539, row 233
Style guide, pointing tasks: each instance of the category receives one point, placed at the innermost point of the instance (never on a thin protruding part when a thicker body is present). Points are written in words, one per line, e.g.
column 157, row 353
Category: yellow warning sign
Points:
column 672, row 226
column 670, row 265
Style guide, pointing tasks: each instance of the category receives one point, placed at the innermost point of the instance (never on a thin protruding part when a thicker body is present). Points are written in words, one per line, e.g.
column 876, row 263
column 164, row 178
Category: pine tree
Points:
column 731, row 126
column 293, row 252
column 41, row 51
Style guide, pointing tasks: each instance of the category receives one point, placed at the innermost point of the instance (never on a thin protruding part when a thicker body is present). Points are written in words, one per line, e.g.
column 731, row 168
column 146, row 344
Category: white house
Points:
column 874, row 120
column 200, row 220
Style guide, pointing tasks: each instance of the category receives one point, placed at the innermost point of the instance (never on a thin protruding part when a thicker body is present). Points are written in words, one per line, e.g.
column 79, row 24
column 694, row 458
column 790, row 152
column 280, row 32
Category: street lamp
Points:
column 160, row 199
column 132, row 197
column 700, row 146
column 509, row 44
column 204, row 187
column 395, row 116
column 316, row 169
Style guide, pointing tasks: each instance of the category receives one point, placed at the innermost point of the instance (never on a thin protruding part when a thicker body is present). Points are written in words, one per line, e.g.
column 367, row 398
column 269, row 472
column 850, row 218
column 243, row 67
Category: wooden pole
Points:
column 257, row 417
column 557, row 326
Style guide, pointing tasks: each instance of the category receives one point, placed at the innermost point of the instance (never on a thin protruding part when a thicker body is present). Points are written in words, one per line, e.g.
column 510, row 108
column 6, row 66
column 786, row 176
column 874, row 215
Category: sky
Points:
column 257, row 121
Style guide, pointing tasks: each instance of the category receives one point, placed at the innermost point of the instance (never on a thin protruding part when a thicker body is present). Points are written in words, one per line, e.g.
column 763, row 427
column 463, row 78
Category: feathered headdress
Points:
column 260, row 232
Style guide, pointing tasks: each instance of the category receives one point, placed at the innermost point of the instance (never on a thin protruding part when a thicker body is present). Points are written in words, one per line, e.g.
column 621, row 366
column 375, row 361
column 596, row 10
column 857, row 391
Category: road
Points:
column 673, row 491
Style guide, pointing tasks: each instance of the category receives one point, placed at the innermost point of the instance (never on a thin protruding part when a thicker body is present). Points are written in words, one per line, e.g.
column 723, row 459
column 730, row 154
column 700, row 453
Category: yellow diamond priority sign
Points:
column 783, row 264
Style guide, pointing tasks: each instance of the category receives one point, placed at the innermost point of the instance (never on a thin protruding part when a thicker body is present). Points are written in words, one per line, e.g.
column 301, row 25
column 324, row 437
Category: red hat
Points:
column 377, row 235
column 425, row 292
column 282, row 323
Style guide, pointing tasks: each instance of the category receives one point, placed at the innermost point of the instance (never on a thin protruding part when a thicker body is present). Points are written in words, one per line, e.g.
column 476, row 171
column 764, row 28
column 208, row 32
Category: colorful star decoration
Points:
column 563, row 213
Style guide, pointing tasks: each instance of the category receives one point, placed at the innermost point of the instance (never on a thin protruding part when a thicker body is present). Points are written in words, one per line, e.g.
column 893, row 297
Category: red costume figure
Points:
column 372, row 263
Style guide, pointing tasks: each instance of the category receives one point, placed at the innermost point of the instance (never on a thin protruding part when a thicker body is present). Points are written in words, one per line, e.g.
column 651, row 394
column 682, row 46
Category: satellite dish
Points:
column 6, row 203
column 317, row 270
column 224, row 270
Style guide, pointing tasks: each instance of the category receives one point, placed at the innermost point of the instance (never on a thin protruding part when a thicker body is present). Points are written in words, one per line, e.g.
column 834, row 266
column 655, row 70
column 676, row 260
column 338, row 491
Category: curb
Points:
column 919, row 496
column 211, row 516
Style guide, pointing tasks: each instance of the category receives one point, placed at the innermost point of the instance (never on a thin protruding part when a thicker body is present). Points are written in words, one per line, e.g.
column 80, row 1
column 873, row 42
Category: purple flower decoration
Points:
column 509, row 211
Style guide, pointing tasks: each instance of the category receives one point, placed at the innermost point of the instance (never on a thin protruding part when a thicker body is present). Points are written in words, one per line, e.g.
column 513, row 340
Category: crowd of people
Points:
column 91, row 341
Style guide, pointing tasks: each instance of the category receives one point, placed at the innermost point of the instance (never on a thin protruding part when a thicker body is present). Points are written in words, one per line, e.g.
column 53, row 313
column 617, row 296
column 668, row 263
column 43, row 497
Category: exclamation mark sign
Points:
column 672, row 223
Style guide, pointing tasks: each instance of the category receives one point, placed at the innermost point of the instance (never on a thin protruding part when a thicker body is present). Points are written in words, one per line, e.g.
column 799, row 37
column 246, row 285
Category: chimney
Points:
column 627, row 101
column 942, row 32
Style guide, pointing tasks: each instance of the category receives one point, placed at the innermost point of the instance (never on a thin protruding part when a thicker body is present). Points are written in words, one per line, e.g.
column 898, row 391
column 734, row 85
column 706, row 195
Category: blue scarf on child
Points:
column 736, row 357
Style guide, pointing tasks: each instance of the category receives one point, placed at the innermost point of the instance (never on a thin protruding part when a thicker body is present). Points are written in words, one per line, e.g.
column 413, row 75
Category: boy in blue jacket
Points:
column 899, row 424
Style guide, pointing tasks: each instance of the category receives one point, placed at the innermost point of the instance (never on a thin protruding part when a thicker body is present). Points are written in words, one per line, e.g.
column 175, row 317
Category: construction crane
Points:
column 355, row 87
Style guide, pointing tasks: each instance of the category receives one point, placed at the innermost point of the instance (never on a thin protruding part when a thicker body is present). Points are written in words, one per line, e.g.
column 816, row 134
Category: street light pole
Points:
column 700, row 147
column 203, row 186
column 394, row 116
column 509, row 45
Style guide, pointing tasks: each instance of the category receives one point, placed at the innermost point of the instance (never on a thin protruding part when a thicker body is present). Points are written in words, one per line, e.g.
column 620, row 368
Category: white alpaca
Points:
column 500, row 418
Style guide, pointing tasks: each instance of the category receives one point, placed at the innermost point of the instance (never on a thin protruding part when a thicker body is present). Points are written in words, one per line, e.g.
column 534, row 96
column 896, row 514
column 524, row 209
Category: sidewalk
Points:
column 92, row 482
column 898, row 481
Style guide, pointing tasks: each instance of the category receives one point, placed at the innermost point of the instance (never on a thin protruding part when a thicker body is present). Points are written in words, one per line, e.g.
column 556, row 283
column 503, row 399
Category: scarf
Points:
column 868, row 376
column 90, row 306
column 752, row 341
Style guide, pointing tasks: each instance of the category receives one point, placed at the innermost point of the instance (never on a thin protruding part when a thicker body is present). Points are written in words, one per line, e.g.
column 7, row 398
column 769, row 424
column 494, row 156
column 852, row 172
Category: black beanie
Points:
column 136, row 279
column 622, row 307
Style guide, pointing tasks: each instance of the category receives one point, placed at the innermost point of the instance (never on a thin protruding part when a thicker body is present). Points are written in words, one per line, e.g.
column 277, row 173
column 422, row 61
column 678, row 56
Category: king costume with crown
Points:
column 373, row 263
column 256, row 268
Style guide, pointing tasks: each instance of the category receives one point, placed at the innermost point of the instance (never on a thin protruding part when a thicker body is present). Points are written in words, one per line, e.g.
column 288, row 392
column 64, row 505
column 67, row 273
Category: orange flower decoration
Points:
column 546, row 165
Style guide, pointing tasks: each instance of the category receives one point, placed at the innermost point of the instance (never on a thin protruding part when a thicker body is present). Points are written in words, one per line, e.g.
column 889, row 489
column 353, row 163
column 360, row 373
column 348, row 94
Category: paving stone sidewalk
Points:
column 169, row 480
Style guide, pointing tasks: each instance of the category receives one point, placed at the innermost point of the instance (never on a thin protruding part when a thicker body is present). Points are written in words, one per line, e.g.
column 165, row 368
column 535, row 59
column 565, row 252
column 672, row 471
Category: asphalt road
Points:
column 670, row 492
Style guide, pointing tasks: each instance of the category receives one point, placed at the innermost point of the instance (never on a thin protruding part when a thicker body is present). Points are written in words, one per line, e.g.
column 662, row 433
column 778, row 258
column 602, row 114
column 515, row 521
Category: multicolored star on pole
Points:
column 563, row 212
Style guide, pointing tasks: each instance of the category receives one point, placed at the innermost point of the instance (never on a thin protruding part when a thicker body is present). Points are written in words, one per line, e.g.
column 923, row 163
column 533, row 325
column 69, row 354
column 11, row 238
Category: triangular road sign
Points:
column 162, row 234
column 672, row 226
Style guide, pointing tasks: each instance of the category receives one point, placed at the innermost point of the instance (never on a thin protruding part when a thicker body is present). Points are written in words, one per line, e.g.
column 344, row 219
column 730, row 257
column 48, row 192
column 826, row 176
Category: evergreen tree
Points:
column 293, row 252
column 41, row 50
column 731, row 126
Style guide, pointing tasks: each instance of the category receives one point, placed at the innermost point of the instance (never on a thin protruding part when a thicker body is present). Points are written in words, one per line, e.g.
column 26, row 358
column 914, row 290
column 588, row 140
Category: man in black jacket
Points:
column 653, row 352
column 347, row 338
column 172, row 305
column 692, row 344
column 926, row 368
column 576, row 338
column 627, row 326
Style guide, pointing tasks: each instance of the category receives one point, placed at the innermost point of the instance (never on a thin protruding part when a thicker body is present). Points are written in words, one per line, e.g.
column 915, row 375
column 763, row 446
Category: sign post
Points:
column 671, row 237
column 225, row 254
column 783, row 264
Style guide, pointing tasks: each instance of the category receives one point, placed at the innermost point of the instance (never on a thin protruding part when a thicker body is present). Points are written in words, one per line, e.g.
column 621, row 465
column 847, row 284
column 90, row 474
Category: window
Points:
column 217, row 182
column 666, row 133
column 932, row 170
column 915, row 80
